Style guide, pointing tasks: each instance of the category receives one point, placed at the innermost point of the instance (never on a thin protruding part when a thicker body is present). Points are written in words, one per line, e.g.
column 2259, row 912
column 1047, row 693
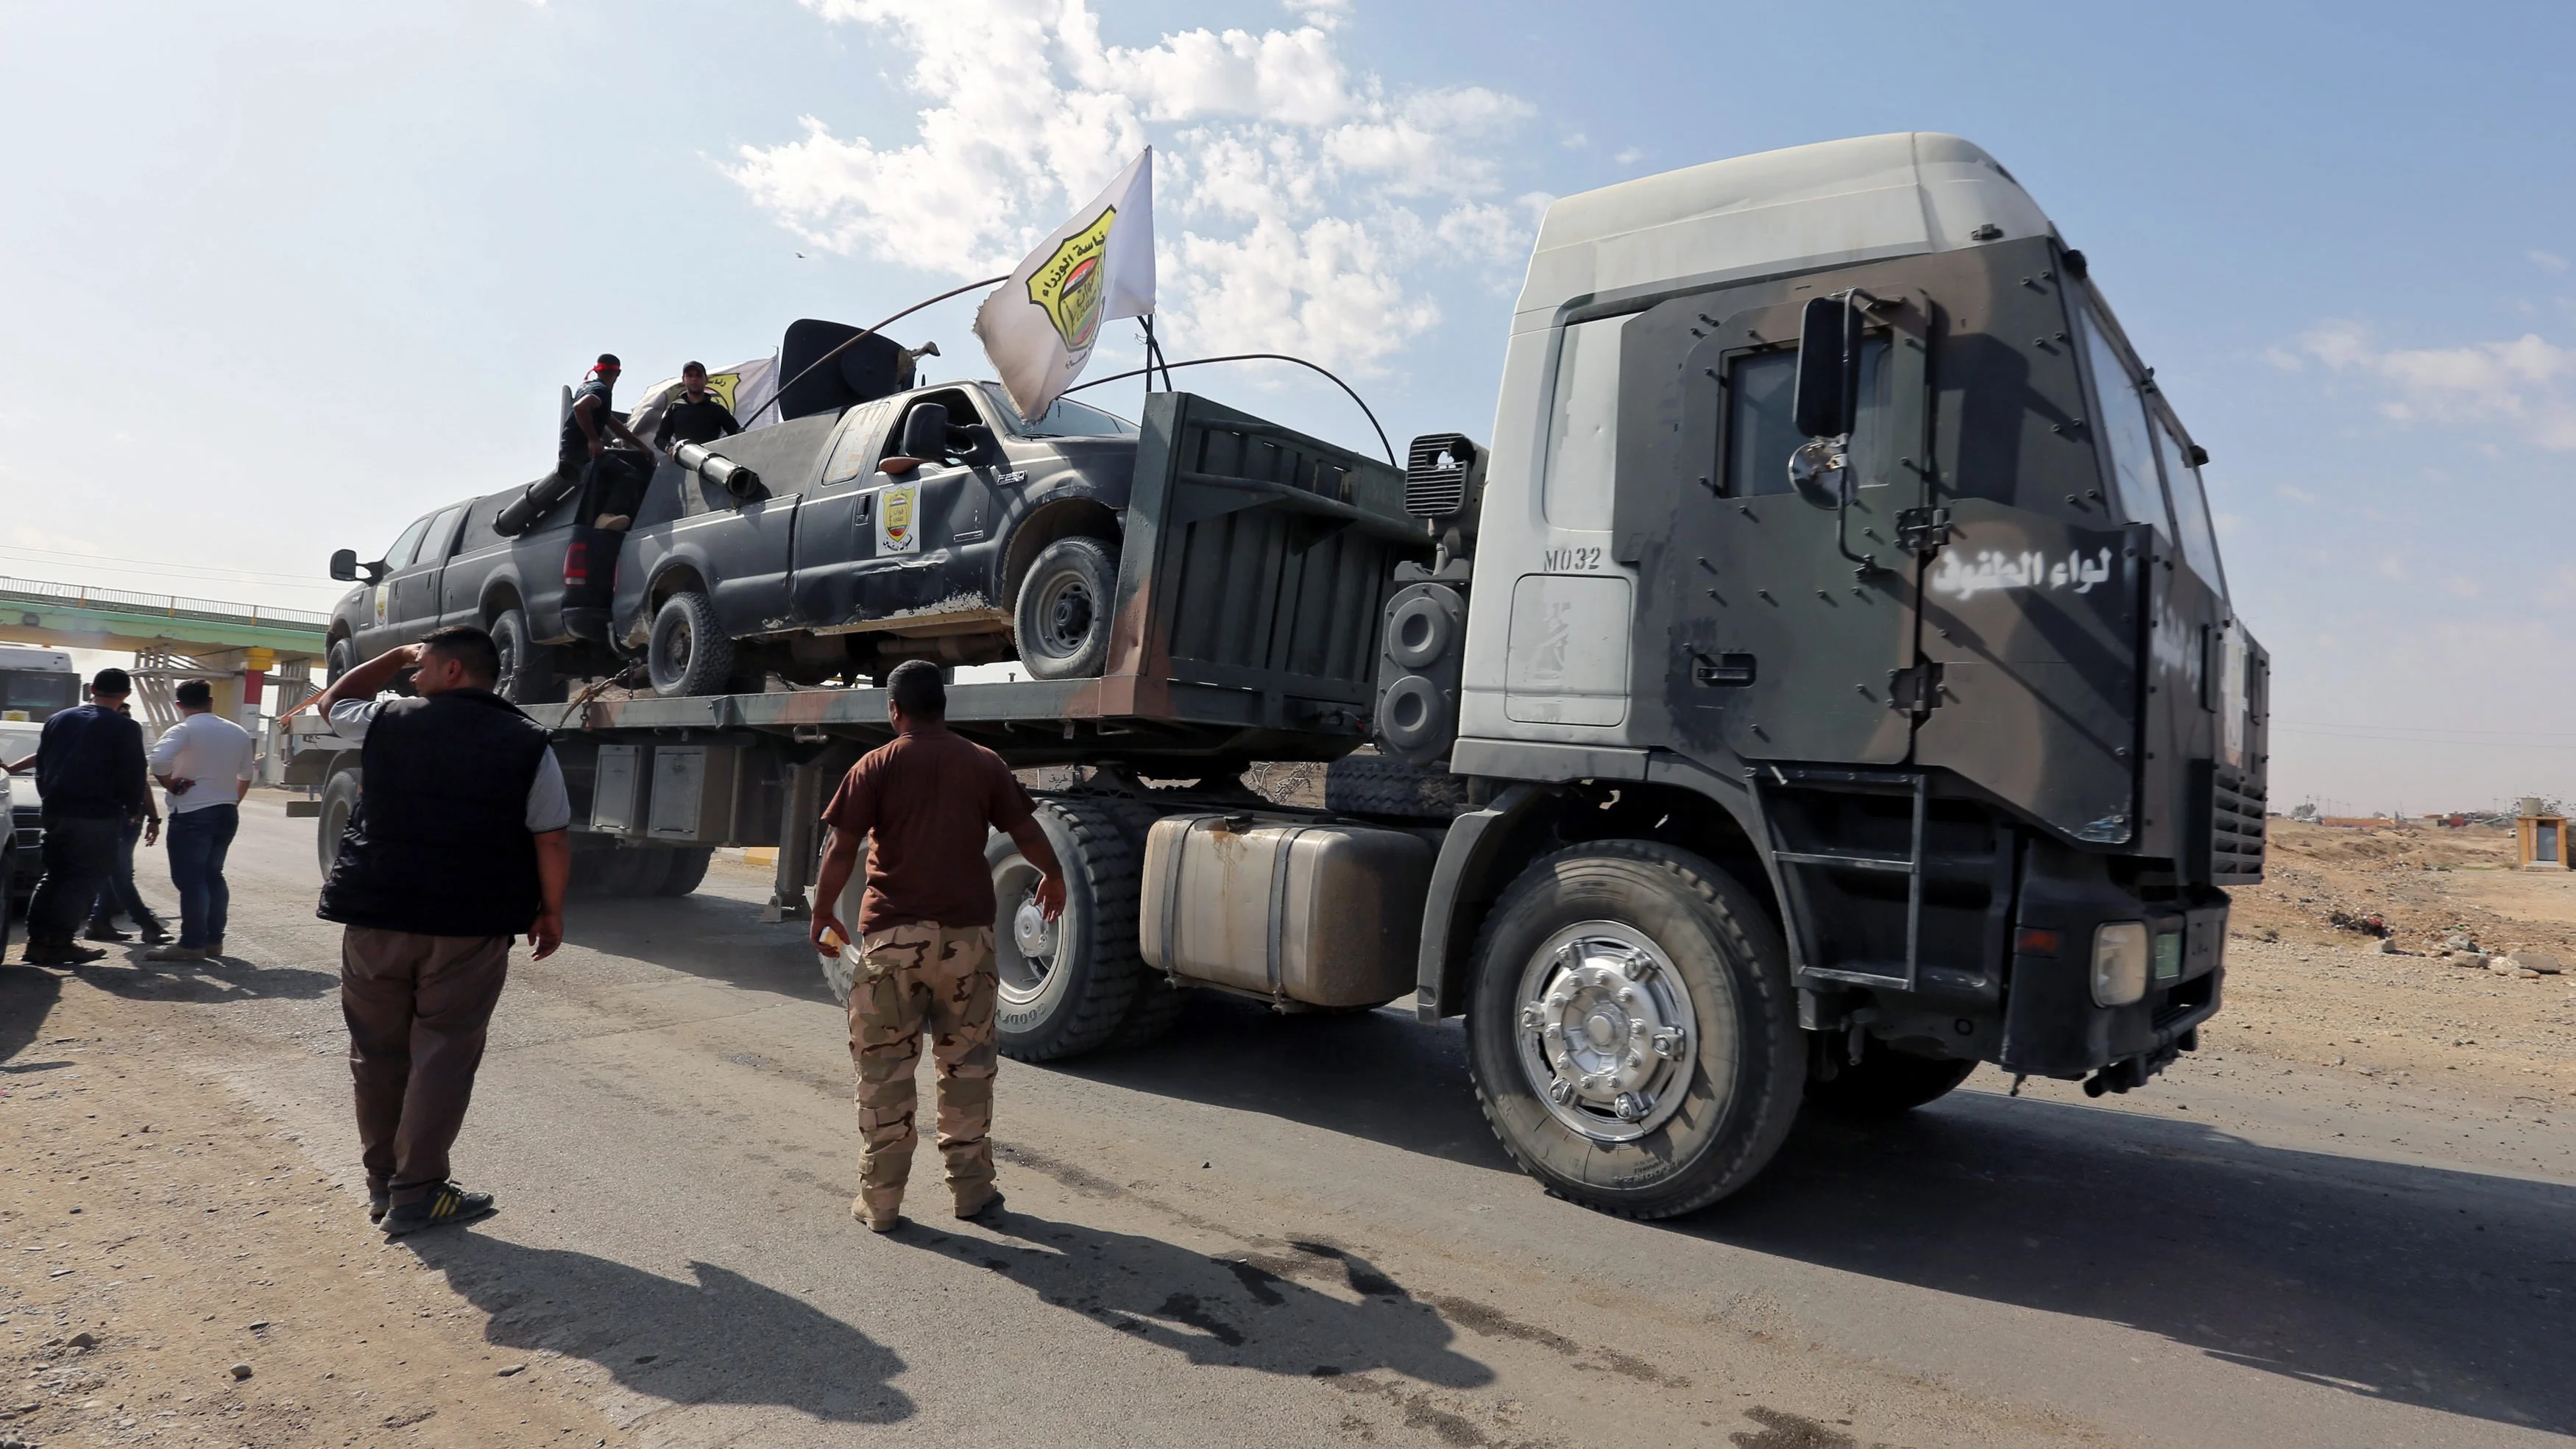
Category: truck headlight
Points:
column 2119, row 962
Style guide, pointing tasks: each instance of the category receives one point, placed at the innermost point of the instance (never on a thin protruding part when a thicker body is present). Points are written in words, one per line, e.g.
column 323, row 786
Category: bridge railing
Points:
column 167, row 606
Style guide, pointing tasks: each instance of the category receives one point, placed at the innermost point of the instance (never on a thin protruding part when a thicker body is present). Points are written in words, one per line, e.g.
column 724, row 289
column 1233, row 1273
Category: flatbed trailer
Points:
column 1825, row 682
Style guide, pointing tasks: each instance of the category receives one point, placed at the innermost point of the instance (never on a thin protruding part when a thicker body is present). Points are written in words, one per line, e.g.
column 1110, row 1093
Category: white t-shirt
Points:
column 210, row 751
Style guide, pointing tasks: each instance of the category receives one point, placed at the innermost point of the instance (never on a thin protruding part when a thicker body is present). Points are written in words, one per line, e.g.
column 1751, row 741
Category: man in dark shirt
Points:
column 696, row 415
column 612, row 479
column 89, row 768
column 925, row 938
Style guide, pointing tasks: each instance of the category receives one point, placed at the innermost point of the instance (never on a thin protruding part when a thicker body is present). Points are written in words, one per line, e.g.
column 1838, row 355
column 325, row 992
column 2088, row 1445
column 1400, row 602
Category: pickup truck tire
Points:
column 339, row 800
column 337, row 660
column 1652, row 934
column 1065, row 989
column 1885, row 1083
column 527, row 668
column 688, row 653
column 688, row 869
column 1378, row 785
column 1063, row 613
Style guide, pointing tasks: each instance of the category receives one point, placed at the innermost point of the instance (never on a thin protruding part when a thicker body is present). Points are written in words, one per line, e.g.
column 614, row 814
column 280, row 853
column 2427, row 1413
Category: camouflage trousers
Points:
column 914, row 979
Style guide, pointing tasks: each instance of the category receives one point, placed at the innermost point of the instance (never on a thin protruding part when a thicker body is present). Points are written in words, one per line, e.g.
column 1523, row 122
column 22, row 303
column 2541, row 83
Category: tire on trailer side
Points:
column 331, row 826
column 1711, row 1105
column 688, row 869
column 1381, row 785
column 338, row 659
column 1062, row 616
column 688, row 651
column 1885, row 1083
column 1065, row 988
column 527, row 667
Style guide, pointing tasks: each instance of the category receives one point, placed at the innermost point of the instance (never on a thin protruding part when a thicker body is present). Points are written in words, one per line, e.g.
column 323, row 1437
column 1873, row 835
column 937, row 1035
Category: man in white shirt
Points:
column 205, row 761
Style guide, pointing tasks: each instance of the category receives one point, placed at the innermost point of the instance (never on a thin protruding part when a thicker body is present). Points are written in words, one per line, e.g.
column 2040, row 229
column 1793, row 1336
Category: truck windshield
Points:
column 1064, row 419
column 2124, row 427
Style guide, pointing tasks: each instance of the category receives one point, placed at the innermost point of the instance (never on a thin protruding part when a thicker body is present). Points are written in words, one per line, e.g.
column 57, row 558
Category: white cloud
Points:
column 2390, row 565
column 2466, row 588
column 1304, row 204
column 2547, row 261
column 2297, row 495
column 1630, row 157
column 2527, row 381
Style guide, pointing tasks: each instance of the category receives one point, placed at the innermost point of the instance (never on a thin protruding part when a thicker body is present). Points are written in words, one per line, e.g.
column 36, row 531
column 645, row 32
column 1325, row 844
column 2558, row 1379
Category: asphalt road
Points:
column 1277, row 1230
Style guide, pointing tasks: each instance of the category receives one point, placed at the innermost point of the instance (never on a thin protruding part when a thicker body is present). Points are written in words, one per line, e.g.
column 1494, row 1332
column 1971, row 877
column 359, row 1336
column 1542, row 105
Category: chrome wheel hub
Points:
column 1605, row 1031
column 1032, row 932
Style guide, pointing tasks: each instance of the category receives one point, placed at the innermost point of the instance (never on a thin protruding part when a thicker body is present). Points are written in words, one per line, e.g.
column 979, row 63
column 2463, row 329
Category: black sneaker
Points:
column 378, row 1204
column 154, row 933
column 104, row 931
column 65, row 954
column 446, row 1206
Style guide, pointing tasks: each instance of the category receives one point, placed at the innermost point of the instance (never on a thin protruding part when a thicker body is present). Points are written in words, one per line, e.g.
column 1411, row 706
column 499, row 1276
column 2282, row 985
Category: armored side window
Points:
column 861, row 438
column 1583, row 425
column 1760, row 434
column 2191, row 509
column 2122, row 418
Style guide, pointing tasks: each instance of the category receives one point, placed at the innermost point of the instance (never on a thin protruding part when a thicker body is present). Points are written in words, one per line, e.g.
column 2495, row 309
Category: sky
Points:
column 281, row 277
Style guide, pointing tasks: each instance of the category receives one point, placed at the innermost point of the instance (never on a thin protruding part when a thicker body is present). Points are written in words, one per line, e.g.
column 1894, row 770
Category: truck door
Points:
column 379, row 626
column 416, row 587
column 836, row 525
column 1785, row 622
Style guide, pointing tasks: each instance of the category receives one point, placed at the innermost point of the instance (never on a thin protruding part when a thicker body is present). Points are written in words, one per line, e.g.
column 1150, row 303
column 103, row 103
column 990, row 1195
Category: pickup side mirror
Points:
column 1828, row 367
column 925, row 432
column 977, row 445
column 344, row 565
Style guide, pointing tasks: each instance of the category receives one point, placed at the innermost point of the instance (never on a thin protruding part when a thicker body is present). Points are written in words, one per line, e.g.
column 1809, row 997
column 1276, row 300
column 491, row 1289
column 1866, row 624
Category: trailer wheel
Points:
column 1378, row 785
column 339, row 801
column 687, row 653
column 1066, row 985
column 1885, row 1083
column 527, row 668
column 688, row 869
column 1062, row 615
column 1632, row 1031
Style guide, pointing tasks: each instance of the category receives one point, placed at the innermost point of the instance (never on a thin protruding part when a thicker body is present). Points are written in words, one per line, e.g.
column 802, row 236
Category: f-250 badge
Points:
column 898, row 528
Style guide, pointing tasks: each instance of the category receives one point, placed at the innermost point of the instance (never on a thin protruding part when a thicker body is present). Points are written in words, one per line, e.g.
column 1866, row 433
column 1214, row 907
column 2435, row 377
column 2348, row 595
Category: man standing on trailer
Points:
column 696, row 415
column 612, row 481
column 925, row 938
column 460, row 841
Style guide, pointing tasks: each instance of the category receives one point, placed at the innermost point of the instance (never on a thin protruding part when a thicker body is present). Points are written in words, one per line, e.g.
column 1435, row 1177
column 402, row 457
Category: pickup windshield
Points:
column 1065, row 419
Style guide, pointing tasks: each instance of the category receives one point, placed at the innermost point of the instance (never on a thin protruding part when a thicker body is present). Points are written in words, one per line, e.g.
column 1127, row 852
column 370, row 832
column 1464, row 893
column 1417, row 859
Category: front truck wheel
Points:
column 1632, row 1031
column 339, row 800
column 1066, row 984
column 1062, row 616
column 527, row 667
column 688, row 652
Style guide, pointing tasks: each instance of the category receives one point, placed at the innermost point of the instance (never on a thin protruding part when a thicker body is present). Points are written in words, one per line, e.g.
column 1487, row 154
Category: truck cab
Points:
column 35, row 685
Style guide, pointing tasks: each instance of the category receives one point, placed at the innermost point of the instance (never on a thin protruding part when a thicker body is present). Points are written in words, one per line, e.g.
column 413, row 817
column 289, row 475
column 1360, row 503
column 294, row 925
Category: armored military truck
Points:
column 1823, row 680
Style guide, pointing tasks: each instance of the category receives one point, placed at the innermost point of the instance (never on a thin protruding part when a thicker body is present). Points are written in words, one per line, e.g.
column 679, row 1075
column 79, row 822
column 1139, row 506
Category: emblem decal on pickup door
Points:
column 384, row 603
column 898, row 521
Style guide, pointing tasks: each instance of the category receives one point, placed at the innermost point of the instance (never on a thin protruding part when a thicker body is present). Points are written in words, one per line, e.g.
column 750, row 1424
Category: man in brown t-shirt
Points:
column 925, row 937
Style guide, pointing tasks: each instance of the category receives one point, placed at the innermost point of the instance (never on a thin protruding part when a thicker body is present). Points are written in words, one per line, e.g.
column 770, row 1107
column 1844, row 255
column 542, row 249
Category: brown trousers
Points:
column 417, row 1008
column 917, row 978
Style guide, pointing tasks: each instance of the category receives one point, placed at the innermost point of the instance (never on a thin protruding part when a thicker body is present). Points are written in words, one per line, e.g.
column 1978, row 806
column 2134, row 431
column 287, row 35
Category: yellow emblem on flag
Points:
column 720, row 386
column 1067, row 286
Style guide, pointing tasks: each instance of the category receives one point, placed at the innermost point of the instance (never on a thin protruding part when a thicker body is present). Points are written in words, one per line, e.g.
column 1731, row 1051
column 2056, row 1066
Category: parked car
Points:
column 454, row 566
column 936, row 523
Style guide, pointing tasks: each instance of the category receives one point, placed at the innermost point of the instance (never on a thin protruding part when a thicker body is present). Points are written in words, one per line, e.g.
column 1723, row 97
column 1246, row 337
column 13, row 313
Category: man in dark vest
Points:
column 612, row 478
column 459, row 842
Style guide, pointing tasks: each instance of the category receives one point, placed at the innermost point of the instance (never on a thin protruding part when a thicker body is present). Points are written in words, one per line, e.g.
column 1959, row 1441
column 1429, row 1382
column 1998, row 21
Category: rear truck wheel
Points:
column 687, row 653
column 1632, row 1032
column 1063, row 612
column 688, row 869
column 1066, row 985
column 337, row 659
column 339, row 801
column 1884, row 1082
column 1159, row 1000
column 1378, row 785
column 527, row 668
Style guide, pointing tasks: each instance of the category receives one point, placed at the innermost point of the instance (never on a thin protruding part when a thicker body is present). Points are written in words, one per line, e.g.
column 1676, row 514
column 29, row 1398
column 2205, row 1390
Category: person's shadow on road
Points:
column 213, row 981
column 723, row 1339
column 1246, row 1310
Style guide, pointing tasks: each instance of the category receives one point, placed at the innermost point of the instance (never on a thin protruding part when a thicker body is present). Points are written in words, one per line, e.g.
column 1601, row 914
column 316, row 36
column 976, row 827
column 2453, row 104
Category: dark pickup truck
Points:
column 933, row 524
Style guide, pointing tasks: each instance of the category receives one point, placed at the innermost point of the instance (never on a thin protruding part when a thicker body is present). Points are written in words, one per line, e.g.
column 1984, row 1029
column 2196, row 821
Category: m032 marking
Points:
column 1572, row 560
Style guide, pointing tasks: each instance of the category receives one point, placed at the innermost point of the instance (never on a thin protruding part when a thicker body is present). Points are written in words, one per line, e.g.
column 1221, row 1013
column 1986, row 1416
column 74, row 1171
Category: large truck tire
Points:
column 339, row 800
column 527, row 667
column 1632, row 1031
column 688, row 870
column 1063, row 613
column 1383, row 786
column 687, row 653
column 1885, row 1083
column 1065, row 986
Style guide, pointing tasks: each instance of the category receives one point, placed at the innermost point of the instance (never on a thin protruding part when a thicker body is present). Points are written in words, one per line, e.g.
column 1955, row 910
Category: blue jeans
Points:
column 119, row 894
column 198, row 840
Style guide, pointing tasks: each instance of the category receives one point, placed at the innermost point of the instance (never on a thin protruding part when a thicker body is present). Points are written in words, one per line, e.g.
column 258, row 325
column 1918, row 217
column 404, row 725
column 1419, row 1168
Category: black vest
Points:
column 438, row 844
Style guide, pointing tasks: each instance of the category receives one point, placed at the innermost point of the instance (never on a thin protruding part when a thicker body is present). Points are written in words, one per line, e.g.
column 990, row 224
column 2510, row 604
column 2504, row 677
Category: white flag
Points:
column 741, row 388
column 1039, row 326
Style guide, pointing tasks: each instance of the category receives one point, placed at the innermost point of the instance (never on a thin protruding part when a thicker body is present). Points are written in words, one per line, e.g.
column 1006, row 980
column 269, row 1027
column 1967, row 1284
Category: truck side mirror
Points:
column 1828, row 367
column 977, row 445
column 344, row 565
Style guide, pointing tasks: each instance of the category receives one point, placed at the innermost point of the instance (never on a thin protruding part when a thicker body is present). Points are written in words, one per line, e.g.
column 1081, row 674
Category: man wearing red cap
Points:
column 612, row 482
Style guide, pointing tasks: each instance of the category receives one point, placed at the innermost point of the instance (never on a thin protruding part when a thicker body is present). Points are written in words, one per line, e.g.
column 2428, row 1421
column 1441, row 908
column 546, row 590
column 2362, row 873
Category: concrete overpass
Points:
column 172, row 637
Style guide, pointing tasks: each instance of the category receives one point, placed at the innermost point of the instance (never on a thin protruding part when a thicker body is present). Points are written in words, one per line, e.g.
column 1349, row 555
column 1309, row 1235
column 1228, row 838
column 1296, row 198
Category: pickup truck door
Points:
column 379, row 625
column 415, row 608
column 836, row 526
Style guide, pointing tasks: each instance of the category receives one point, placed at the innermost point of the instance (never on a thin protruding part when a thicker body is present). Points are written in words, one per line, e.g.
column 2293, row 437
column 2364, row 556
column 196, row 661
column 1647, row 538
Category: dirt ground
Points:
column 155, row 1231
